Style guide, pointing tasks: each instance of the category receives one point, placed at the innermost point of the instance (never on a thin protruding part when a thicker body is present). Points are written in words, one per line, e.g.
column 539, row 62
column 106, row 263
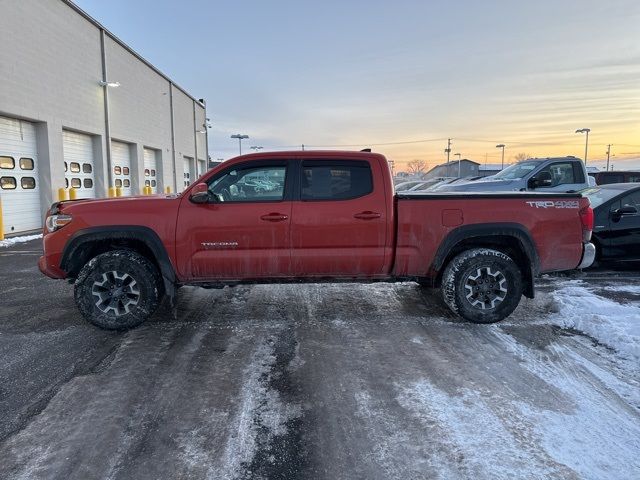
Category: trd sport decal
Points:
column 550, row 204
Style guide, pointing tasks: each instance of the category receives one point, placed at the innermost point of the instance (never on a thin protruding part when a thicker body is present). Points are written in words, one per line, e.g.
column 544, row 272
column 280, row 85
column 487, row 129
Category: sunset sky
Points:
column 401, row 76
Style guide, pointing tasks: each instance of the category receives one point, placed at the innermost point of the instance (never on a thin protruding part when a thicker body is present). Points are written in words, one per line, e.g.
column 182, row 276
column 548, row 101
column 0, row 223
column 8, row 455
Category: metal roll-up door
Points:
column 19, row 182
column 151, row 169
column 121, row 160
column 79, row 163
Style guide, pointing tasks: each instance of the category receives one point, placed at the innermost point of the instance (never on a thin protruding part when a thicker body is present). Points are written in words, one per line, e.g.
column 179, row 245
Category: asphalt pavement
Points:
column 321, row 381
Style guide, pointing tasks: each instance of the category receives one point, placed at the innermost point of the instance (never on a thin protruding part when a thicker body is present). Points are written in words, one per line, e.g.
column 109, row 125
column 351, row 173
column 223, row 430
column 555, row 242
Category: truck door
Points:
column 339, row 219
column 566, row 176
column 243, row 232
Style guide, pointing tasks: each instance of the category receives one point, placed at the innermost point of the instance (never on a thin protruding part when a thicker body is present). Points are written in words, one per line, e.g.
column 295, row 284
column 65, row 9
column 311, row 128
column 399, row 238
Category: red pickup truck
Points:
column 312, row 216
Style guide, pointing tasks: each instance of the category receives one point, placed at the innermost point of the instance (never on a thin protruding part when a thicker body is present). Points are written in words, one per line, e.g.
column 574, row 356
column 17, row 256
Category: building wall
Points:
column 467, row 169
column 50, row 69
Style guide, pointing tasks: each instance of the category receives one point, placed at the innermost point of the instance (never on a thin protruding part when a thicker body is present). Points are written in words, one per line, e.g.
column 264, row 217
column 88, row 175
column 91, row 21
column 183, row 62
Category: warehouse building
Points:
column 80, row 110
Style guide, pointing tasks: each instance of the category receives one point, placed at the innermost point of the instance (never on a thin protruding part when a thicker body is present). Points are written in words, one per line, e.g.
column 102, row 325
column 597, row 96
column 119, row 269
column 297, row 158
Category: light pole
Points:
column 459, row 157
column 502, row 145
column 240, row 137
column 255, row 148
column 608, row 155
column 586, row 141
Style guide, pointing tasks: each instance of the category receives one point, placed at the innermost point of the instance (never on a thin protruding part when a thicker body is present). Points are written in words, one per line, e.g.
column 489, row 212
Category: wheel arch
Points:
column 512, row 239
column 89, row 242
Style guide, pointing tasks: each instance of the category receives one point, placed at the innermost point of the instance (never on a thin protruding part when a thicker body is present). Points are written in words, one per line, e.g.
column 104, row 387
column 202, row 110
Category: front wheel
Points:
column 117, row 290
column 482, row 285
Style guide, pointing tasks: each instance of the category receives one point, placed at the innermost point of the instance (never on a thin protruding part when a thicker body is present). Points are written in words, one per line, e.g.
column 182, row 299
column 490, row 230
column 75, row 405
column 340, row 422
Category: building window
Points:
column 86, row 168
column 147, row 183
column 74, row 167
column 66, row 167
column 125, row 170
column 8, row 183
column 88, row 183
column 75, row 183
column 117, row 170
column 153, row 173
column 7, row 163
column 66, row 183
column 146, row 172
column 26, row 163
column 28, row 183
column 118, row 182
column 153, row 183
column 127, row 183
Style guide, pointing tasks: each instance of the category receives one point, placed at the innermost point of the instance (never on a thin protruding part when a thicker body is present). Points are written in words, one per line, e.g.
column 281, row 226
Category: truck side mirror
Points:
column 199, row 193
column 543, row 179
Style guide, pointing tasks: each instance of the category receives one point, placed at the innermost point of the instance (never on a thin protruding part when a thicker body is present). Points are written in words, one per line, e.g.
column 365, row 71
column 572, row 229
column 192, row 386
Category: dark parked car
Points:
column 616, row 231
column 605, row 178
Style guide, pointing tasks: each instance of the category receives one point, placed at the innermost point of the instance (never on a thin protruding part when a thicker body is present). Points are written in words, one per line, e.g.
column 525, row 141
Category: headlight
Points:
column 54, row 222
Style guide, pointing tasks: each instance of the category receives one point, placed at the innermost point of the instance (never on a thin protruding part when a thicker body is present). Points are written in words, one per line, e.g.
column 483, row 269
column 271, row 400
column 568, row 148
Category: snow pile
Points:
column 12, row 241
column 611, row 323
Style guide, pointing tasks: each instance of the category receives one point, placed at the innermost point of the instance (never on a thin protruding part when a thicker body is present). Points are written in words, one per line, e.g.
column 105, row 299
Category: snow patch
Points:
column 612, row 324
column 261, row 416
column 8, row 242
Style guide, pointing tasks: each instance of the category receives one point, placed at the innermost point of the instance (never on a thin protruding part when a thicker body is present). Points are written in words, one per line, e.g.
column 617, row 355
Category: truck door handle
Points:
column 274, row 217
column 368, row 215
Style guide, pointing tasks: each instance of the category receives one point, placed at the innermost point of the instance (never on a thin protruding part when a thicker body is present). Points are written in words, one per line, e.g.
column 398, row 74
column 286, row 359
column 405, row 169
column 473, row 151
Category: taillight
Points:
column 586, row 218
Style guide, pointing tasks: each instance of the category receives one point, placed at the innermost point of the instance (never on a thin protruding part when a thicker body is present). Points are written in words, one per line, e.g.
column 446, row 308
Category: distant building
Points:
column 456, row 168
column 463, row 168
column 489, row 169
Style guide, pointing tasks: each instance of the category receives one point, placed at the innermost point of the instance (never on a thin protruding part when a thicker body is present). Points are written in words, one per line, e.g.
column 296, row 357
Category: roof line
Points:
column 97, row 24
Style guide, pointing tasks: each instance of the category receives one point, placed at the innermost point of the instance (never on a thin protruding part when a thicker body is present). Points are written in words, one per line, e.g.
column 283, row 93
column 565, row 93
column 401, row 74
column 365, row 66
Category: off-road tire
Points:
column 136, row 285
column 473, row 284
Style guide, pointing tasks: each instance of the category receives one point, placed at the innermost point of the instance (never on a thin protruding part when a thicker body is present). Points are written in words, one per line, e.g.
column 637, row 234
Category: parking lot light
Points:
column 586, row 141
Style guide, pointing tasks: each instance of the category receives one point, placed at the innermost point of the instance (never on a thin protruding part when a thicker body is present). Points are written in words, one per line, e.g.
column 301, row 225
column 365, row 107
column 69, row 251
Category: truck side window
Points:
column 252, row 184
column 335, row 181
column 561, row 173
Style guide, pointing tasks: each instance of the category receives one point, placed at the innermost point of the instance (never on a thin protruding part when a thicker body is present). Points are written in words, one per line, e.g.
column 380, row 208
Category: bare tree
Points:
column 417, row 166
column 521, row 156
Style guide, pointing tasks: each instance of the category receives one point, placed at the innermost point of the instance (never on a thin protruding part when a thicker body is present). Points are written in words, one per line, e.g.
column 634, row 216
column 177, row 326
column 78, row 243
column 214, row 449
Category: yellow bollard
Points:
column 149, row 190
column 62, row 194
column 1, row 224
column 118, row 191
column 112, row 192
column 73, row 194
column 168, row 189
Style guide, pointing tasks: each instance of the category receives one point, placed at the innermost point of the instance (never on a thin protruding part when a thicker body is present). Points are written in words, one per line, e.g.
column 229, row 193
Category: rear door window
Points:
column 329, row 180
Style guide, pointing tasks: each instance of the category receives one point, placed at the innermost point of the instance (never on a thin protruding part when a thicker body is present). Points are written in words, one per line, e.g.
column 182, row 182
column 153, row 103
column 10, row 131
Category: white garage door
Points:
column 151, row 169
column 78, row 163
column 121, row 160
column 188, row 172
column 19, row 183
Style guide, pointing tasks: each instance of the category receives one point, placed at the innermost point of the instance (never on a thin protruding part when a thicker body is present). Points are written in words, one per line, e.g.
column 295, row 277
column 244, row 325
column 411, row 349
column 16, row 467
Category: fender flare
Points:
column 120, row 232
column 502, row 229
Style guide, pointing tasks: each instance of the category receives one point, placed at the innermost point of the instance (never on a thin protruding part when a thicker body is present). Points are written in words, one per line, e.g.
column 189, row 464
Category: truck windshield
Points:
column 518, row 170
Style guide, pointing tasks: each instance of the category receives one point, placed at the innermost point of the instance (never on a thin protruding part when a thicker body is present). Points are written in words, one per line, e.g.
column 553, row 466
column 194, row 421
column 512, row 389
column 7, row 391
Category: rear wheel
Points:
column 482, row 285
column 117, row 290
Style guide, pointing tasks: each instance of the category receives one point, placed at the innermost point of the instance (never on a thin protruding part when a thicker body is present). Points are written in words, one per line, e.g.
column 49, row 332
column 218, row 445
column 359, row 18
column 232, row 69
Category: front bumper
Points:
column 588, row 255
column 50, row 270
